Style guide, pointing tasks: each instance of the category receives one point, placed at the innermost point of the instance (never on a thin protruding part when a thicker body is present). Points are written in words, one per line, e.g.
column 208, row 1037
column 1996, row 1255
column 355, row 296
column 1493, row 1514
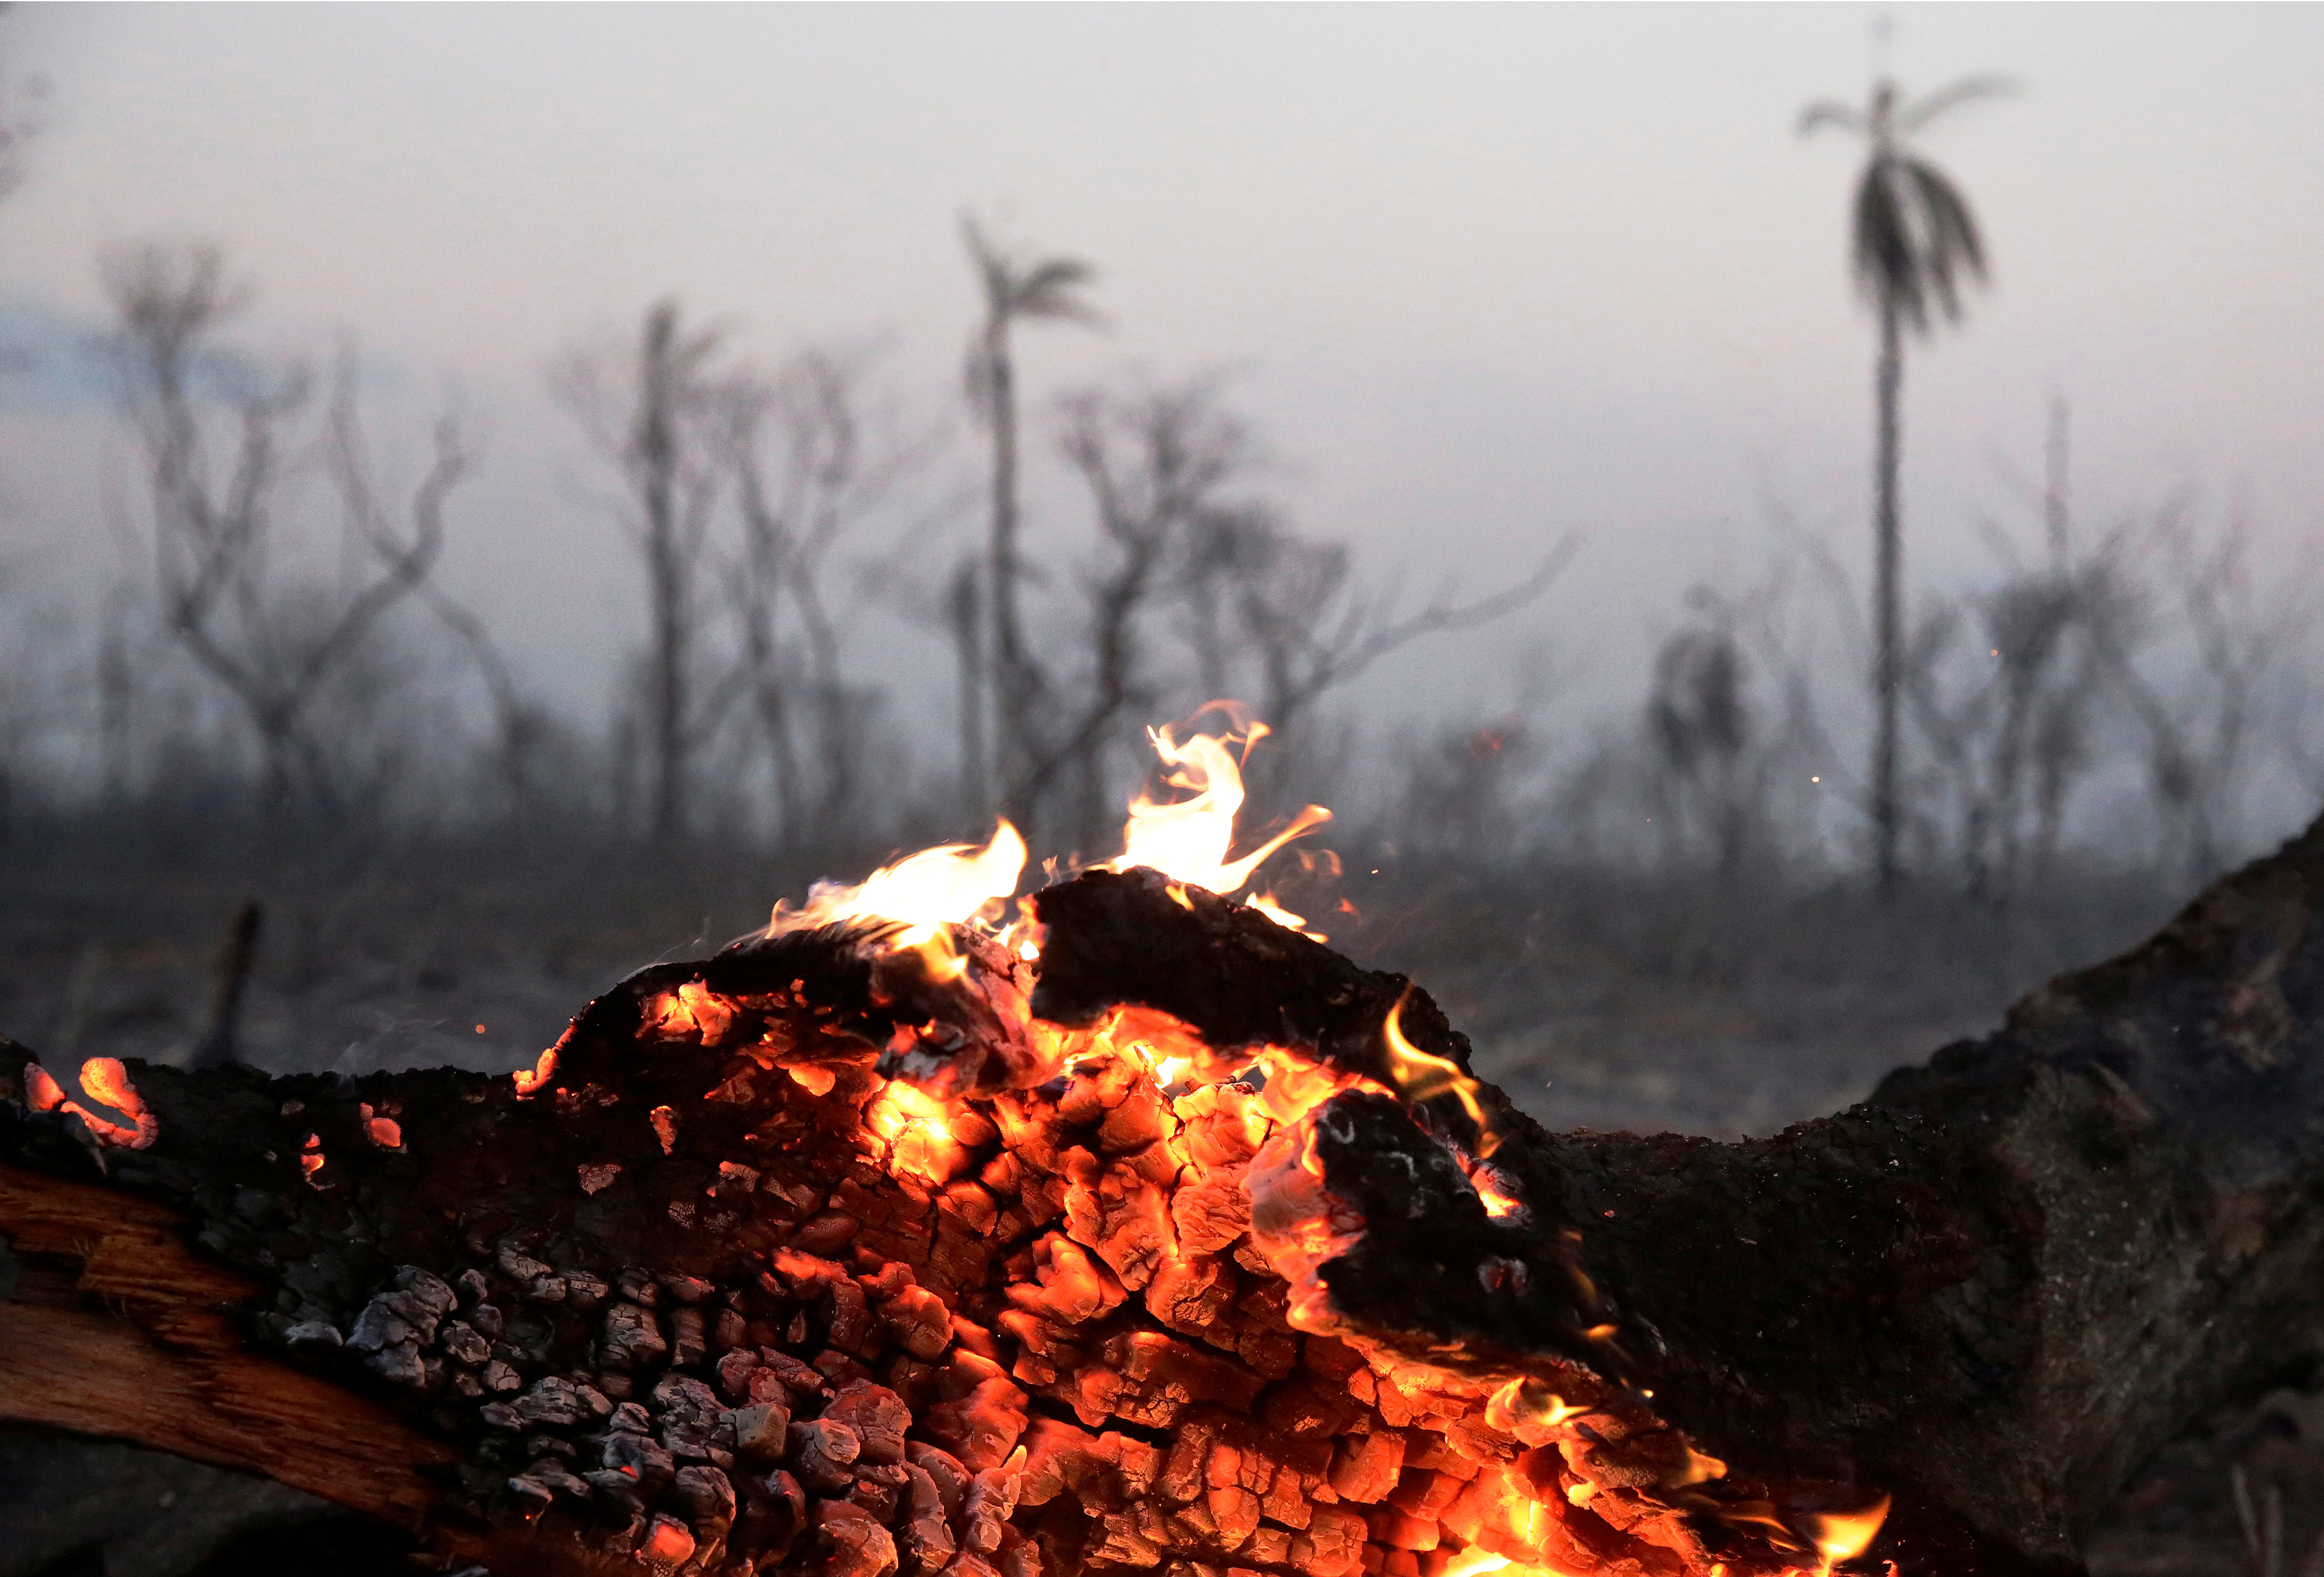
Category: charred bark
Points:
column 659, row 1299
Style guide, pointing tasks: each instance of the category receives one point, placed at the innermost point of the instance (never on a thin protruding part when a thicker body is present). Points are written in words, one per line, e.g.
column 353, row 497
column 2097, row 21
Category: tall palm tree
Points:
column 1015, row 289
column 1912, row 240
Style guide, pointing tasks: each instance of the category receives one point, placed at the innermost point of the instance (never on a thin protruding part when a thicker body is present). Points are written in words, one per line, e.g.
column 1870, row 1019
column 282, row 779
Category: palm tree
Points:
column 1913, row 239
column 1014, row 288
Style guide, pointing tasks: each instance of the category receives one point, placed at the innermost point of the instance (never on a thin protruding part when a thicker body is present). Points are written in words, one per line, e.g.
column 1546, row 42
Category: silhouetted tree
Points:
column 274, row 635
column 1156, row 465
column 659, row 416
column 1912, row 240
column 810, row 459
column 1015, row 289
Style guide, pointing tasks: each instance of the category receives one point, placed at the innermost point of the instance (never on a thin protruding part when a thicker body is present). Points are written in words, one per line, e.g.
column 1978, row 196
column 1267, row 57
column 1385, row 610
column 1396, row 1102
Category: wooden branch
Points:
column 114, row 1327
column 803, row 1256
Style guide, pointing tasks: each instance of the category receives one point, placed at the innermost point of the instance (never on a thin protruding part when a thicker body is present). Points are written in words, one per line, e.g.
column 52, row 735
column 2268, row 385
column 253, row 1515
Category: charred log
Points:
column 810, row 1255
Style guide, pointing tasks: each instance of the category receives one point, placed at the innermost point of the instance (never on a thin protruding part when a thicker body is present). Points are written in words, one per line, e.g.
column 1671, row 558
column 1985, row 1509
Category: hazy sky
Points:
column 1483, row 274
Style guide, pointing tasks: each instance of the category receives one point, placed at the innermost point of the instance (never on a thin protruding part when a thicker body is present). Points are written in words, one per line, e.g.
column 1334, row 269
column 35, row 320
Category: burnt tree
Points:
column 795, row 1257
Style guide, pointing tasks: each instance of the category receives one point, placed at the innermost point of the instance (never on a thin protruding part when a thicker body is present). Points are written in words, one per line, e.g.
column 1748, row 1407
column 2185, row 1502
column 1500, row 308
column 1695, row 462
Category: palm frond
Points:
column 1046, row 289
column 1951, row 227
column 1885, row 256
column 1950, row 241
column 1951, row 95
column 1830, row 111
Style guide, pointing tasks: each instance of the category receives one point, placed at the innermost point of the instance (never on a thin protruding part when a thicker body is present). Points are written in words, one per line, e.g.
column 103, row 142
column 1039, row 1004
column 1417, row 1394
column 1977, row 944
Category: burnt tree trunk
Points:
column 607, row 1311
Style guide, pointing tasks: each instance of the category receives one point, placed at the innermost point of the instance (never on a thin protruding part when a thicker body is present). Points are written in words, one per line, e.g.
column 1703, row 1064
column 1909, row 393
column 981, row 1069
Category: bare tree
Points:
column 232, row 592
column 1299, row 614
column 1699, row 721
column 810, row 462
column 1156, row 465
column 2198, row 734
column 963, row 612
column 659, row 416
column 522, row 727
column 1015, row 289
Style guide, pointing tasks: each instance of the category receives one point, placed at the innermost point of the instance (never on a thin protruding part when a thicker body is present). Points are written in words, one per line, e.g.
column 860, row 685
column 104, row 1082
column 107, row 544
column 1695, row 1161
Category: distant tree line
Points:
column 287, row 652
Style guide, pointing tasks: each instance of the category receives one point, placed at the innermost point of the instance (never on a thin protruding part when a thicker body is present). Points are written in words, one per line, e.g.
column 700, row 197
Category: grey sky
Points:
column 1483, row 274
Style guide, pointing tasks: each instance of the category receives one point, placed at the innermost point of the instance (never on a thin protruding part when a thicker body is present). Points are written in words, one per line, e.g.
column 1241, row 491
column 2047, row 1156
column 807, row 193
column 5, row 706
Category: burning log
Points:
column 1158, row 1236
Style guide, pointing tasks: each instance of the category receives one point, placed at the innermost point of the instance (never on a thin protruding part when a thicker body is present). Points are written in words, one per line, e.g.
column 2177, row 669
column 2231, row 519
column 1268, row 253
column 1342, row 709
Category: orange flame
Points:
column 1526, row 1404
column 1842, row 1535
column 920, row 1142
column 1187, row 840
column 1422, row 1075
column 947, row 885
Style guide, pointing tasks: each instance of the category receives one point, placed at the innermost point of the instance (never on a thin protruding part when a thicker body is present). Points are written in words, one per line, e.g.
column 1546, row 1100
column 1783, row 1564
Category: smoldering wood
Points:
column 1990, row 1291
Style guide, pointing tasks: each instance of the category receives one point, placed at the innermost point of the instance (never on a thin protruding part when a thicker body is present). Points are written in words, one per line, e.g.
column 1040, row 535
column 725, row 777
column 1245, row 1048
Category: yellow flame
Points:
column 1525, row 1404
column 1187, row 840
column 1491, row 1187
column 1265, row 904
column 1842, row 1535
column 947, row 885
column 1422, row 1075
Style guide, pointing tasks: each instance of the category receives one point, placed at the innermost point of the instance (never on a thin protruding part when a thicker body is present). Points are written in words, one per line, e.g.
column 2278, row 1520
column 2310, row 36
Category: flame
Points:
column 1492, row 1186
column 1526, row 1408
column 1187, row 840
column 1842, row 1535
column 1422, row 1075
column 1160, row 1103
column 951, row 884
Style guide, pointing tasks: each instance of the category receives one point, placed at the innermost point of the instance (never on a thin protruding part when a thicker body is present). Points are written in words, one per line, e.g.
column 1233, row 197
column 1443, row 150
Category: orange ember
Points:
column 1099, row 1261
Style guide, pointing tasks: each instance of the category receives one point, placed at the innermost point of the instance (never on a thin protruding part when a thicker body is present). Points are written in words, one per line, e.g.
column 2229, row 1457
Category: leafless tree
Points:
column 963, row 613
column 2240, row 634
column 2014, row 741
column 522, row 728
column 231, row 591
column 1699, row 721
column 23, row 115
column 810, row 462
column 1157, row 465
column 1295, row 608
column 1015, row 289
column 660, row 416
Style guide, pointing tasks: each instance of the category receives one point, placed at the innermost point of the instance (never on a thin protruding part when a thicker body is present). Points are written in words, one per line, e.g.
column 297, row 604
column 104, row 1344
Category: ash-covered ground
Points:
column 1603, row 1000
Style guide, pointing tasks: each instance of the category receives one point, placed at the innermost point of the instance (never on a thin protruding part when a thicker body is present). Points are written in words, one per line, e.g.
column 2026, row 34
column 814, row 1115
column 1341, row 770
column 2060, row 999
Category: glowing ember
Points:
column 1066, row 1312
column 383, row 1131
column 105, row 1081
column 528, row 1080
